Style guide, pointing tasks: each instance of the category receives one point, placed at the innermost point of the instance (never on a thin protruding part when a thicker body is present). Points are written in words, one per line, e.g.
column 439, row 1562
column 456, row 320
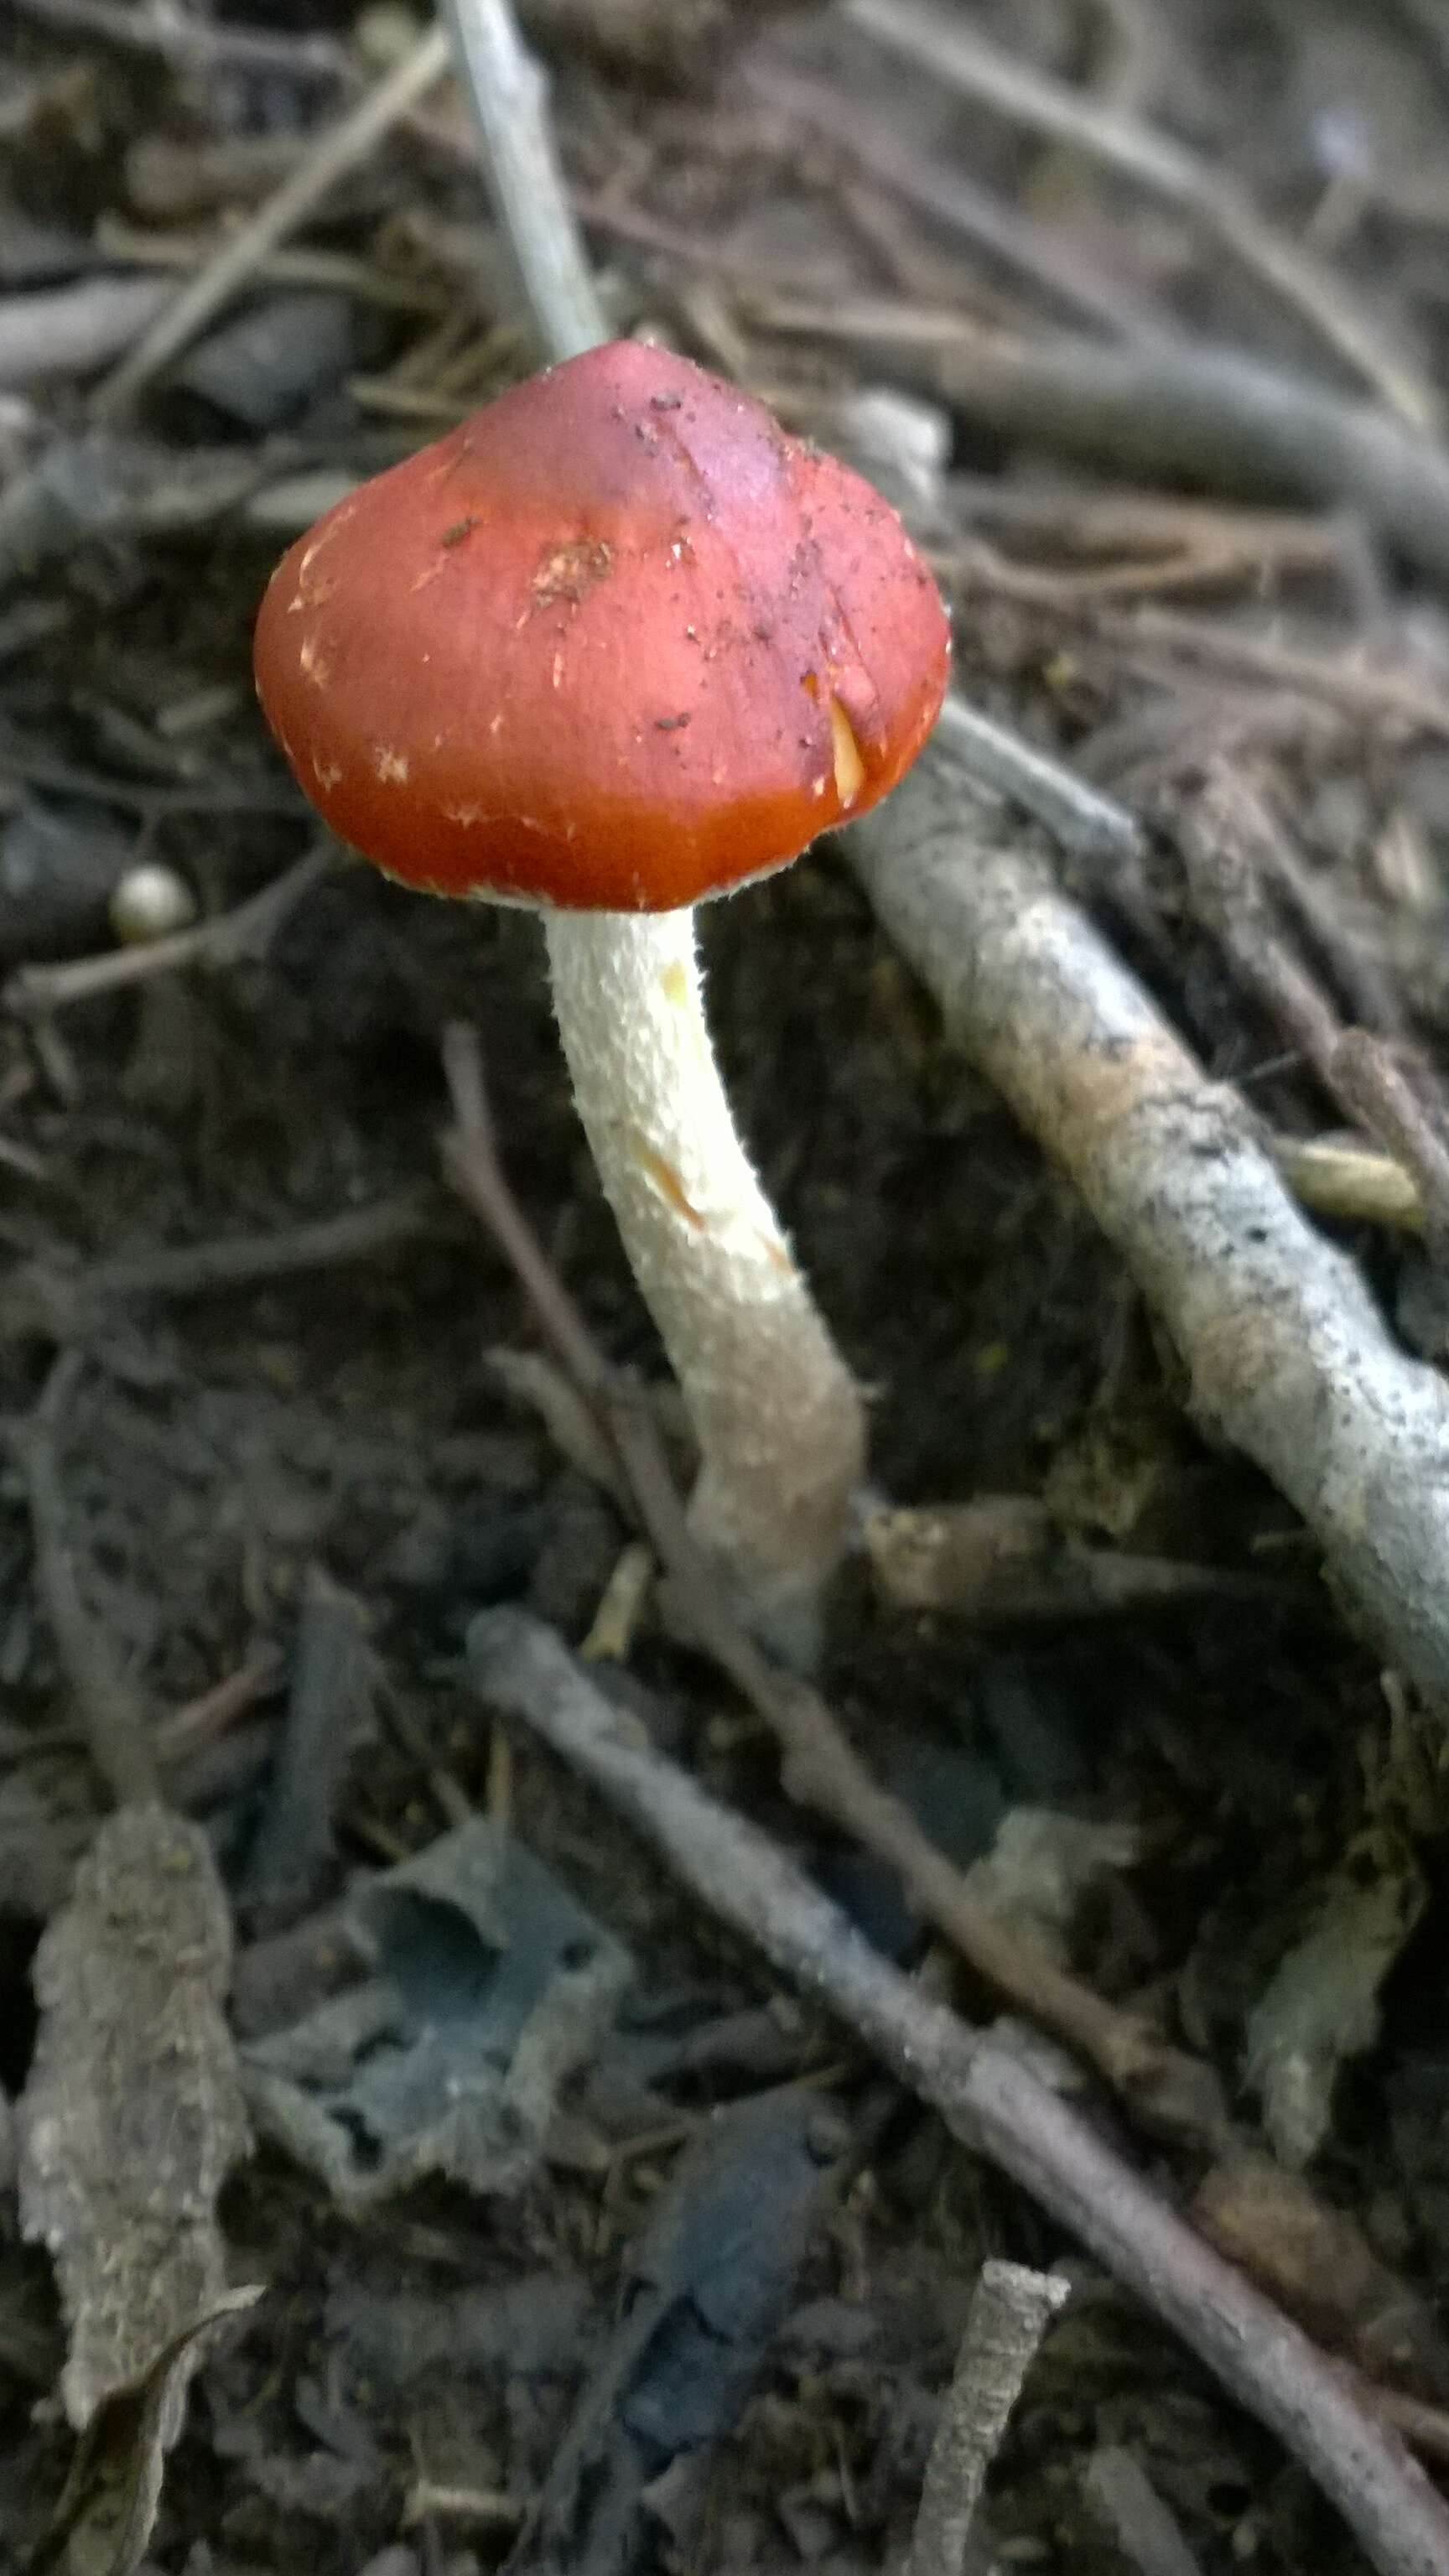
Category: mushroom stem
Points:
column 778, row 1417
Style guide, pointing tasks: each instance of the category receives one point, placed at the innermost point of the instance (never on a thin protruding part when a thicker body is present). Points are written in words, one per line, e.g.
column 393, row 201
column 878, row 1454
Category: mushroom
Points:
column 615, row 644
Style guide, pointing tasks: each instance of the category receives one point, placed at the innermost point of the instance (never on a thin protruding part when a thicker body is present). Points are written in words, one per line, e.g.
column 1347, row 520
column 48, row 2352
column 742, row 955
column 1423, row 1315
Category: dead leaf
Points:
column 107, row 2514
column 133, row 2115
column 1322, row 2005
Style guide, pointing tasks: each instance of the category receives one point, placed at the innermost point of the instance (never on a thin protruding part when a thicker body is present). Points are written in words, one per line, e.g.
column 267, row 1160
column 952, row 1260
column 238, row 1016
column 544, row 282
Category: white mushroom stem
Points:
column 778, row 1417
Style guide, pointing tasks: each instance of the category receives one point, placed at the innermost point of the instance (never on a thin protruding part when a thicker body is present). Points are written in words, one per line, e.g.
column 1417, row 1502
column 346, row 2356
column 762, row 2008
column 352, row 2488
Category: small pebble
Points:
column 150, row 902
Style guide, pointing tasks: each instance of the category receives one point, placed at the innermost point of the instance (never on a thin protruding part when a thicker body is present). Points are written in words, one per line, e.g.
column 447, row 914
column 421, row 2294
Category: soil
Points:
column 385, row 2405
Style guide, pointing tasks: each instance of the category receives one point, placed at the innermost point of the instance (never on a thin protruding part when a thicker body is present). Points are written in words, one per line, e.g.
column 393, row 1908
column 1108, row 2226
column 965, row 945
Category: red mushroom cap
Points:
column 617, row 642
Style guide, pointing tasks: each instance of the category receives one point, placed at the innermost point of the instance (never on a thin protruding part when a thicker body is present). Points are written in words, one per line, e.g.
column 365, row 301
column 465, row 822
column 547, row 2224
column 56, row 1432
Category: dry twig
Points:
column 1397, row 698
column 1251, row 549
column 198, row 1722
column 1174, row 2093
column 1011, row 2309
column 142, row 246
column 337, row 150
column 1287, row 1353
column 987, row 2097
column 234, row 938
column 523, row 179
column 1230, row 839
column 242, row 1260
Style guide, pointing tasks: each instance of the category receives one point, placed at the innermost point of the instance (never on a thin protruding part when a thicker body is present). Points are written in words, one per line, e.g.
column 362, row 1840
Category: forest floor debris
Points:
column 258, row 1376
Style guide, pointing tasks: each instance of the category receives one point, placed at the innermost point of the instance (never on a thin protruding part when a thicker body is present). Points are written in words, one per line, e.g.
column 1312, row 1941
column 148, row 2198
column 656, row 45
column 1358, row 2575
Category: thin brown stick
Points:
column 39, row 1297
column 183, row 253
column 521, row 172
column 186, row 1731
column 472, row 1166
column 1398, row 699
column 1379, row 1092
column 239, row 1261
column 1011, row 2310
column 988, row 2098
column 116, row 1723
column 1004, row 1557
column 1170, row 2092
column 199, row 1721
column 1224, row 832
